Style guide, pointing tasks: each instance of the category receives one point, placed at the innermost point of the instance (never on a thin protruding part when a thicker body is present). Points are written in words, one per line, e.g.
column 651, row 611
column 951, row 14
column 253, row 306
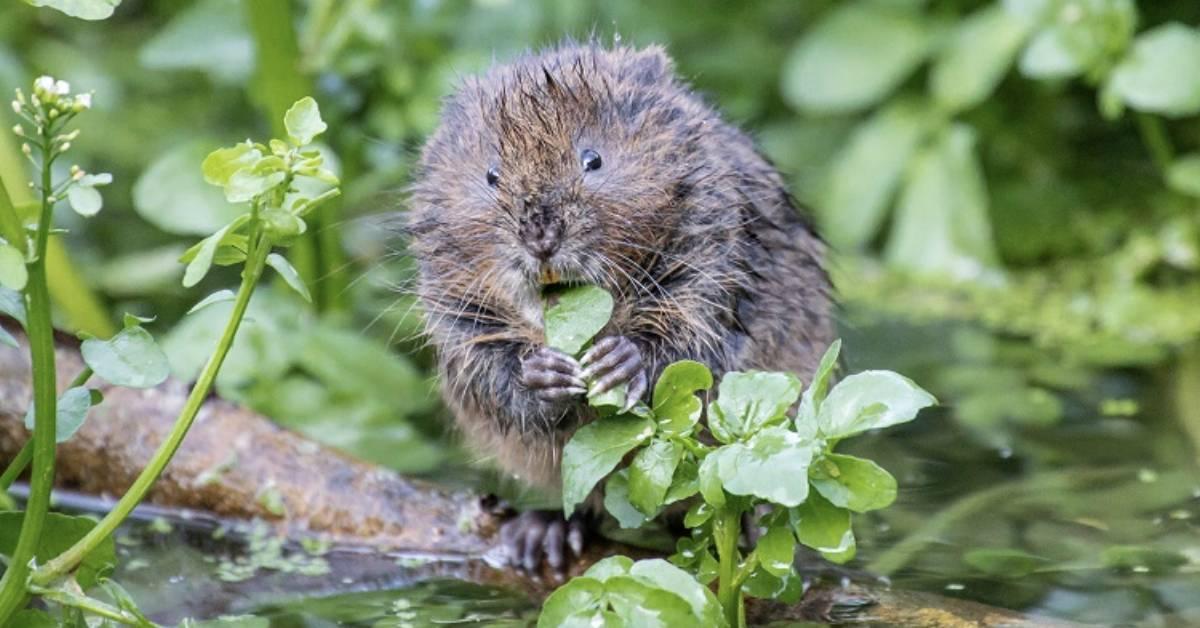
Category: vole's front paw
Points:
column 532, row 536
column 552, row 375
column 613, row 361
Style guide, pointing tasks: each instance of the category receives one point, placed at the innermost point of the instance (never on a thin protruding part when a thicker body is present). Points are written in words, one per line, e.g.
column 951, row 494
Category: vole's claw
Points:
column 637, row 387
column 552, row 374
column 535, row 535
column 613, row 361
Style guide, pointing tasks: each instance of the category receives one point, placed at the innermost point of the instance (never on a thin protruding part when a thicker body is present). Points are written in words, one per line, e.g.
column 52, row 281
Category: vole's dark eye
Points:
column 591, row 160
column 493, row 176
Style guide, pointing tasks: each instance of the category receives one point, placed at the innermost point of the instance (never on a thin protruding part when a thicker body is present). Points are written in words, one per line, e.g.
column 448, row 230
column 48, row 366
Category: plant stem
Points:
column 727, row 527
column 1154, row 136
column 85, row 603
column 72, row 557
column 45, row 398
column 17, row 465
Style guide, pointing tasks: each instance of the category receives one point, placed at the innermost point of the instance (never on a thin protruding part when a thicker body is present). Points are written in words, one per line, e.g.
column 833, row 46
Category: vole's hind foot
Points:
column 537, row 535
column 553, row 375
column 613, row 361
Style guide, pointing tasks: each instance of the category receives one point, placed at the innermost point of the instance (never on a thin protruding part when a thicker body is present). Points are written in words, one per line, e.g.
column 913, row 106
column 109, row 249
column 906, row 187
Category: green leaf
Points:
column 650, row 474
column 221, row 164
column 604, row 569
column 594, row 451
column 201, row 255
column 1155, row 76
column 1183, row 175
column 1143, row 557
column 85, row 200
column 979, row 53
column 747, row 402
column 1084, row 38
column 82, row 9
column 686, row 481
column 208, row 35
column 871, row 400
column 824, row 527
column 697, row 515
column 12, row 303
column 667, row 577
column 13, row 273
column 618, row 504
column 942, row 226
column 289, row 274
column 854, row 206
column 777, row 548
column 228, row 621
column 643, row 604
column 676, row 406
column 31, row 618
column 810, row 401
column 69, row 413
column 220, row 296
column 303, row 121
column 282, row 225
column 580, row 595
column 854, row 57
column 579, row 314
column 173, row 196
column 710, row 481
column 854, row 483
column 60, row 532
column 1004, row 562
column 130, row 358
column 247, row 184
column 613, row 398
column 772, row 465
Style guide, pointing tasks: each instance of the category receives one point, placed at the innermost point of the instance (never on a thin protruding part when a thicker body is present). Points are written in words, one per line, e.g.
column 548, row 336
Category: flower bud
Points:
column 16, row 107
column 18, row 130
column 25, row 148
column 65, row 147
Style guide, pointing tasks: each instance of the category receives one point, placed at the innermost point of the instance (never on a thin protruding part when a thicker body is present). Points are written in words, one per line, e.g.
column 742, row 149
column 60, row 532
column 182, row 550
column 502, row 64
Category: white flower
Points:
column 44, row 84
column 62, row 88
column 83, row 101
column 16, row 107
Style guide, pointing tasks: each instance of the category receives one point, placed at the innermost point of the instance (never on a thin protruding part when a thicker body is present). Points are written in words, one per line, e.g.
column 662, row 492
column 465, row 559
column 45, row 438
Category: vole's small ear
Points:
column 649, row 66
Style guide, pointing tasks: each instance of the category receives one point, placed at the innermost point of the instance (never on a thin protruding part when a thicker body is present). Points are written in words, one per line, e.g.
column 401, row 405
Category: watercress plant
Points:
column 749, row 453
column 57, row 557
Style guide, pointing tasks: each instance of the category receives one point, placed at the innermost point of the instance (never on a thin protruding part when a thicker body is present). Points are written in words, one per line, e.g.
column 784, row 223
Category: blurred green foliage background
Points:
column 1028, row 167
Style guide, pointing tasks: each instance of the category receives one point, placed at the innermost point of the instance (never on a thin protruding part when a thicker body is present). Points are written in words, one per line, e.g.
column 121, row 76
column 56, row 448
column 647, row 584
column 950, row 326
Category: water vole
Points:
column 591, row 164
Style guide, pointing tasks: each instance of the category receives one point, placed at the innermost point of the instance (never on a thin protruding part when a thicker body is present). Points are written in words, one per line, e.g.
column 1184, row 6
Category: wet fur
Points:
column 686, row 224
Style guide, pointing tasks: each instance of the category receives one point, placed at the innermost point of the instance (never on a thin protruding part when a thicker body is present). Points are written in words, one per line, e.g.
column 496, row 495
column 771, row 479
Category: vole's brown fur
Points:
column 685, row 223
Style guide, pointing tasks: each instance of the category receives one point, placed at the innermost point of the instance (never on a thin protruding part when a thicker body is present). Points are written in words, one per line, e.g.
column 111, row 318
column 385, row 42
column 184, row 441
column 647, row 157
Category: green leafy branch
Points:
column 748, row 453
column 279, row 182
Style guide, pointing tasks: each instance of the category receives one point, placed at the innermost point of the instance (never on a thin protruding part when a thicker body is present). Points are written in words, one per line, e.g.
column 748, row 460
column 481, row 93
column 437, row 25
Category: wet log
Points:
column 232, row 455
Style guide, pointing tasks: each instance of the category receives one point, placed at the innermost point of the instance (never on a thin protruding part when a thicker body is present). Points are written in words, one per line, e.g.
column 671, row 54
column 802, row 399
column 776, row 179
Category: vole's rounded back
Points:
column 593, row 164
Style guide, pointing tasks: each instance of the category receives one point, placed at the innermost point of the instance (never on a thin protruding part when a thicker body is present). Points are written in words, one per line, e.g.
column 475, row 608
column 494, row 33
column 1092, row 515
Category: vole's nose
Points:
column 542, row 239
column 542, row 232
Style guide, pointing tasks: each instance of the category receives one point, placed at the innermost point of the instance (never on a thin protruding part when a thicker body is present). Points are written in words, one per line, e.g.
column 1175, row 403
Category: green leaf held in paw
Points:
column 578, row 315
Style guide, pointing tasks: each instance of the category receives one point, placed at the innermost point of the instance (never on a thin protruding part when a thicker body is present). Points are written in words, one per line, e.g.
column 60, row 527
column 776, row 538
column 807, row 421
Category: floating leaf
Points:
column 854, row 57
column 578, row 315
column 303, row 121
column 130, row 358
column 1008, row 563
column 594, row 450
